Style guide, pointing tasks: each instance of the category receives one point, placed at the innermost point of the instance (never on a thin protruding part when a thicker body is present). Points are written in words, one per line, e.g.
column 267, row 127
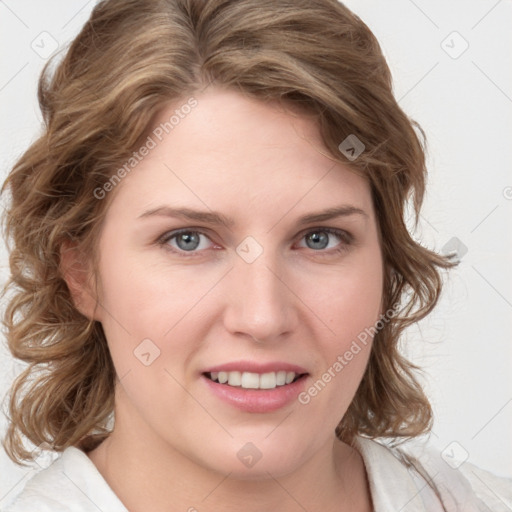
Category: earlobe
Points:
column 74, row 268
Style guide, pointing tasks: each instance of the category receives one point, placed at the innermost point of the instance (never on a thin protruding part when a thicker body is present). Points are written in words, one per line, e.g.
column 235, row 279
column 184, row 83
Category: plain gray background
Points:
column 453, row 74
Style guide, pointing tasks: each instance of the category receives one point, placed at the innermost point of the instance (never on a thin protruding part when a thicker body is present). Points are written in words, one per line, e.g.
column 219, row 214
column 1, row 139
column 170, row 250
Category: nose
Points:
column 260, row 304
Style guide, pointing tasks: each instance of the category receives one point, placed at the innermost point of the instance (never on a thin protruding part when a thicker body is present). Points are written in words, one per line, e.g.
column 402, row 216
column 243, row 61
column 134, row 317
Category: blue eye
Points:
column 317, row 240
column 322, row 238
column 186, row 241
column 189, row 243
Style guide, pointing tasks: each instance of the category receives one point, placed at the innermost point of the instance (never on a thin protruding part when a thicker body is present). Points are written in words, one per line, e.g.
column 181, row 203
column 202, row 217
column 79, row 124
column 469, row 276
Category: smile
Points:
column 251, row 380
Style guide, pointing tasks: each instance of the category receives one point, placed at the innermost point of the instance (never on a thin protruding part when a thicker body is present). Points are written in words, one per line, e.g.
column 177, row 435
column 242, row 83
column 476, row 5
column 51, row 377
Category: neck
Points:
column 146, row 473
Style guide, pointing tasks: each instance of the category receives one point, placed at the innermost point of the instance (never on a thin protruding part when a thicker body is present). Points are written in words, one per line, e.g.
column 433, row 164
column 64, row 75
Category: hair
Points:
column 130, row 60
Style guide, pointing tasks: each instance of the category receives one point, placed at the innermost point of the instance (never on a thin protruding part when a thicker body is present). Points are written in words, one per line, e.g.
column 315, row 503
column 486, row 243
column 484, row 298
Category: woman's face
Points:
column 275, row 274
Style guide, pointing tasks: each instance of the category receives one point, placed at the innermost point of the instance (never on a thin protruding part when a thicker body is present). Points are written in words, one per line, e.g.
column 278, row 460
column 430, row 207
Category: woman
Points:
column 211, row 269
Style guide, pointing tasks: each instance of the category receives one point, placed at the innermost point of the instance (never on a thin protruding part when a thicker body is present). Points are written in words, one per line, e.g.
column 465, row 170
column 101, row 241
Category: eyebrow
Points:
column 215, row 218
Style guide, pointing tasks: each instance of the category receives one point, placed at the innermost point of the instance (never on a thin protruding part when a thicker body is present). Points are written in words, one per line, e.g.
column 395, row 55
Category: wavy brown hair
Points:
column 132, row 58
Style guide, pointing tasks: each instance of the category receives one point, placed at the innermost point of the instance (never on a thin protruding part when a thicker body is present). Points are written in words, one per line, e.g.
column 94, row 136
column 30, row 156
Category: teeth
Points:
column 289, row 377
column 249, row 380
column 268, row 381
column 234, row 378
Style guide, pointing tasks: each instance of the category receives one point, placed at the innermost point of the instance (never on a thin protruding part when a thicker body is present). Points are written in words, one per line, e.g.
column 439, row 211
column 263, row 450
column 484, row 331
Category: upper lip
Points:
column 255, row 367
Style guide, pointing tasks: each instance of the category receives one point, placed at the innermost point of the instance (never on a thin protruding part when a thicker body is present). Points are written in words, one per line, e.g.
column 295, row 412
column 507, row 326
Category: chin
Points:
column 261, row 458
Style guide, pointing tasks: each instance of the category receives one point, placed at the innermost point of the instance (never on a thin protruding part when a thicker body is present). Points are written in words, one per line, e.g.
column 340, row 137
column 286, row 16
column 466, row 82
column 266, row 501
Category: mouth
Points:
column 252, row 380
column 256, row 387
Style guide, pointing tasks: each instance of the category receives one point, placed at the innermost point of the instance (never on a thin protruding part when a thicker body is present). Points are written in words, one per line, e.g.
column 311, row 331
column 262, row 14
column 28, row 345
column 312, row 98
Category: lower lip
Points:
column 257, row 400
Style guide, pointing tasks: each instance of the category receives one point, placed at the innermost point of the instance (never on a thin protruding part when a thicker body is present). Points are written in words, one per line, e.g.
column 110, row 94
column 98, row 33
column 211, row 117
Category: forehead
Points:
column 232, row 151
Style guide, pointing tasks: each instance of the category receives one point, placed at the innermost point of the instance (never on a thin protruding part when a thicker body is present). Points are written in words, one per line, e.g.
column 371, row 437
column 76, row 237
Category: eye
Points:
column 185, row 241
column 327, row 238
column 190, row 242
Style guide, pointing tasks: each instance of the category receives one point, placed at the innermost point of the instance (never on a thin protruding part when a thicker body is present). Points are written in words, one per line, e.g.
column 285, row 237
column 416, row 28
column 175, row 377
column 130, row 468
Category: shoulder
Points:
column 71, row 483
column 414, row 477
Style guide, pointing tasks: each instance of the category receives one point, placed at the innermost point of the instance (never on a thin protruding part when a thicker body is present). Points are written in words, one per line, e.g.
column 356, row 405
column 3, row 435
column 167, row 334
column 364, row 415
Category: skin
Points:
column 174, row 442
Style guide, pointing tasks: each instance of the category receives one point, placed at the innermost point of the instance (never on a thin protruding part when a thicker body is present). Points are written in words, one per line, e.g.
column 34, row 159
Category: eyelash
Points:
column 345, row 237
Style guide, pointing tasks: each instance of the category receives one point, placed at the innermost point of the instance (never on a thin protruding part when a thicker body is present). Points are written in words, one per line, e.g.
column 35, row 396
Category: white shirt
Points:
column 400, row 481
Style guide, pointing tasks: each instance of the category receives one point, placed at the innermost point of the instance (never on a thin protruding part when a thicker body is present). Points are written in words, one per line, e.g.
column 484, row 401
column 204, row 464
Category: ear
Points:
column 76, row 271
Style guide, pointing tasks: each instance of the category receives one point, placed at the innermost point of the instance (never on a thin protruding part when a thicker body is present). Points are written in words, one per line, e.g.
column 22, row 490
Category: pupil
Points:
column 320, row 238
column 191, row 241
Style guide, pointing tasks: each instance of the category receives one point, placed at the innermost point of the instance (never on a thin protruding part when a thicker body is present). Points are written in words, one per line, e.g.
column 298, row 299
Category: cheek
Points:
column 150, row 299
column 351, row 312
column 348, row 299
column 147, row 312
column 349, row 303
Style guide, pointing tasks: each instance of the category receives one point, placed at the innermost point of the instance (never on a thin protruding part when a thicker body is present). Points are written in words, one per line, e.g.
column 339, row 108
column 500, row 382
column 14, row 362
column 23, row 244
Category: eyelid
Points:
column 342, row 233
column 346, row 239
column 169, row 235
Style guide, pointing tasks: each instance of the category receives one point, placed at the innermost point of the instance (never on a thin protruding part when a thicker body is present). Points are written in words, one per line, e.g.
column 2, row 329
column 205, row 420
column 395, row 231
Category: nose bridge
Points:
column 260, row 303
